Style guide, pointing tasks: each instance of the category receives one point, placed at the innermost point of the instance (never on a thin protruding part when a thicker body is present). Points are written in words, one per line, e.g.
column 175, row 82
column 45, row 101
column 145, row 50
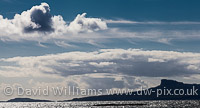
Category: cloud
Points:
column 40, row 15
column 91, row 82
column 37, row 24
column 82, row 24
column 122, row 21
column 37, row 18
column 132, row 62
column 112, row 82
column 102, row 69
column 64, row 44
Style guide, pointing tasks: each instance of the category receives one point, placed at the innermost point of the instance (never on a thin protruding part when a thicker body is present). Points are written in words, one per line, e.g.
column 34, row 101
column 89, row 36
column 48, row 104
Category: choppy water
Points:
column 107, row 104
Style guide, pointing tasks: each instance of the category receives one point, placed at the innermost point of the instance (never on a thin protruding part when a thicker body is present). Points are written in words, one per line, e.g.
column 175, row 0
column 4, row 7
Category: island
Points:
column 167, row 87
column 192, row 92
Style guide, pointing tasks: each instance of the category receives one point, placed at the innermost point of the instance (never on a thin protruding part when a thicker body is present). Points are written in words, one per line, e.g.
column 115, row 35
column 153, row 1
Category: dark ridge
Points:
column 165, row 84
column 27, row 100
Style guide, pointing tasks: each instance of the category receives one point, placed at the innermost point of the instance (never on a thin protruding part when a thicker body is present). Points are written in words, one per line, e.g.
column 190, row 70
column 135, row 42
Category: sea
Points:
column 104, row 104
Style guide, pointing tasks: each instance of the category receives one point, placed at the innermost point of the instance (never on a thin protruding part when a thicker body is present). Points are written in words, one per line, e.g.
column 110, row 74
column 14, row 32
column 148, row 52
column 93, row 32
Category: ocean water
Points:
column 107, row 104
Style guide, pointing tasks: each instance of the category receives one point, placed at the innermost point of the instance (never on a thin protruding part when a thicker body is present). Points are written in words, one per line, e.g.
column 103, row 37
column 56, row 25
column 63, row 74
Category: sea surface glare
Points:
column 102, row 104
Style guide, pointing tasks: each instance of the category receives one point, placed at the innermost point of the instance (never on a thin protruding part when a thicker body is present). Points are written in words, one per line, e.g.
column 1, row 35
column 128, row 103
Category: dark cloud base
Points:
column 43, row 20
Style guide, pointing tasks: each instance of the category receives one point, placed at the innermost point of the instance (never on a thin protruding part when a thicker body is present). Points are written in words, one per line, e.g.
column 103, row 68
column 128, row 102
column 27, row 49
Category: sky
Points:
column 98, row 43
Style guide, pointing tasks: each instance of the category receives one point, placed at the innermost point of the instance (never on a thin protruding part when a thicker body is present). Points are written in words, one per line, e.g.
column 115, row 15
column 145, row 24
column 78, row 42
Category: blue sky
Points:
column 123, row 43
column 140, row 10
column 132, row 10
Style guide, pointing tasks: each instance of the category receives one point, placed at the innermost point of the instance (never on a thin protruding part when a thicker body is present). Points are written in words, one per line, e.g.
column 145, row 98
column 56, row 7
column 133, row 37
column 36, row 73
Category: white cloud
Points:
column 122, row 21
column 64, row 44
column 165, row 40
column 105, row 69
column 133, row 62
column 17, row 25
column 155, row 60
column 37, row 24
column 83, row 24
column 101, row 64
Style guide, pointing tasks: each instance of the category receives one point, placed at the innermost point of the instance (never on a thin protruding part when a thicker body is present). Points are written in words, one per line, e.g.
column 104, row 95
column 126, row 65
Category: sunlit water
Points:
column 107, row 104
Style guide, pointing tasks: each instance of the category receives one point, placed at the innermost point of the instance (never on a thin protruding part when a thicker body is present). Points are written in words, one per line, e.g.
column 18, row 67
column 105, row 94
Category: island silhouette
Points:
column 191, row 92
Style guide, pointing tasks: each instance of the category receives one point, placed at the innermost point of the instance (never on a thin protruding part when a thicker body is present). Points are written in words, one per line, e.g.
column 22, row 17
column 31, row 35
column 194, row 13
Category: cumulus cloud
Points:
column 40, row 16
column 37, row 18
column 82, row 24
column 132, row 62
column 38, row 24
